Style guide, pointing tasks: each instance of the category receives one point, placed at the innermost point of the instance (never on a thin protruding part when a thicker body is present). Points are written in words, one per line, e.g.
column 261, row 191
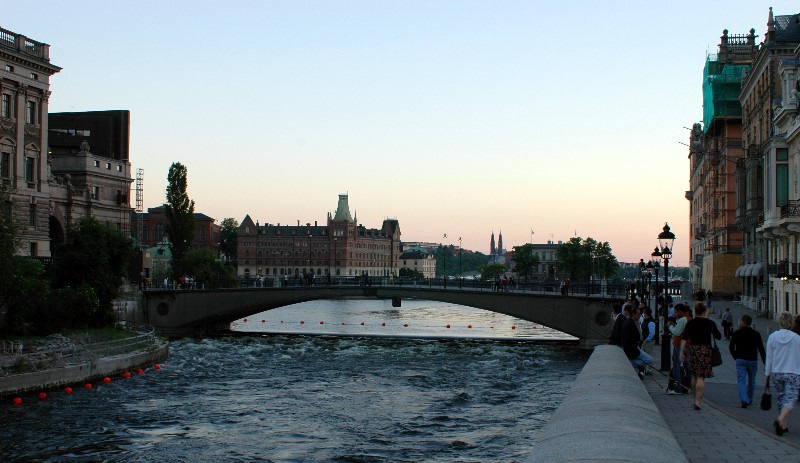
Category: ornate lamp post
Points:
column 460, row 275
column 642, row 266
column 665, row 241
column 656, row 260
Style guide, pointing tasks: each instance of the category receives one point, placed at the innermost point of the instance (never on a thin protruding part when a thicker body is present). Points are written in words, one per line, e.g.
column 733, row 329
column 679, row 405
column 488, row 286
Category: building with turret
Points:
column 339, row 248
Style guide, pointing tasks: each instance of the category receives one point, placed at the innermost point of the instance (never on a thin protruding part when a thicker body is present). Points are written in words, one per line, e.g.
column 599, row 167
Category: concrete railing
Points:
column 607, row 415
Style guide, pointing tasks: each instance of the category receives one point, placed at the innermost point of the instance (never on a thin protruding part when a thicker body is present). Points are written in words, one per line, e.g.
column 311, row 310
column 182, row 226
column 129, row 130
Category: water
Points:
column 289, row 398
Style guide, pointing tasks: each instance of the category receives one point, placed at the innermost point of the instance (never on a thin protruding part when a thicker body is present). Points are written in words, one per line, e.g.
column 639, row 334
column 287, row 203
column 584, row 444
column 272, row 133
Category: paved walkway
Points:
column 723, row 431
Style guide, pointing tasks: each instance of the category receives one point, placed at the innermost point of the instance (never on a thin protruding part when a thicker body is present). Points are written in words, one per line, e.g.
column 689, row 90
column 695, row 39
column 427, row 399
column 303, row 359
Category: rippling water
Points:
column 307, row 399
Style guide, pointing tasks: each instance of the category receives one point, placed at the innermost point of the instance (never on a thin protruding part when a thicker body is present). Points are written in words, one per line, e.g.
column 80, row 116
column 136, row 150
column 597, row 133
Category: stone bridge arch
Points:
column 204, row 312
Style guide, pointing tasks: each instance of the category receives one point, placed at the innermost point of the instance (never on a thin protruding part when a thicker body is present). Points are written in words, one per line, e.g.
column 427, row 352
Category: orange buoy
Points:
column 17, row 401
column 302, row 322
column 126, row 375
column 157, row 367
column 68, row 390
column 106, row 380
column 139, row 371
column 448, row 326
column 405, row 325
column 513, row 327
column 88, row 385
column 343, row 323
column 321, row 323
column 42, row 396
column 245, row 320
column 383, row 324
column 362, row 323
column 469, row 326
column 263, row 321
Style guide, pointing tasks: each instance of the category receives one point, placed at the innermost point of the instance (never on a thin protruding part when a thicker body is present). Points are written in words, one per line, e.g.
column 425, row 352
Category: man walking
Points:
column 676, row 328
column 727, row 324
column 745, row 346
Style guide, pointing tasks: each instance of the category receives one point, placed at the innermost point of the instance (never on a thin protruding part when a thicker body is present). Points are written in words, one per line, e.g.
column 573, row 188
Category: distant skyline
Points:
column 453, row 117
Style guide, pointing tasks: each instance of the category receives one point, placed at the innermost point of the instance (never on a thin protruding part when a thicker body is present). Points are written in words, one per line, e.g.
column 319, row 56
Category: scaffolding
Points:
column 722, row 84
column 140, row 206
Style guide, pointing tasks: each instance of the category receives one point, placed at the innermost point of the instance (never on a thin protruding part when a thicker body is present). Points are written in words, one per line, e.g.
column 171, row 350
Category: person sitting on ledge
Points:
column 631, row 338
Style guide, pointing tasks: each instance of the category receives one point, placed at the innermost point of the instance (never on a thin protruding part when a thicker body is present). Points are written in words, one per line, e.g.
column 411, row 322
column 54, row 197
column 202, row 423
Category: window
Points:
column 5, row 165
column 95, row 192
column 96, row 163
column 30, row 170
column 781, row 176
column 108, row 165
column 34, row 249
column 9, row 68
column 31, row 114
column 32, row 215
column 119, row 168
column 5, row 109
column 34, row 76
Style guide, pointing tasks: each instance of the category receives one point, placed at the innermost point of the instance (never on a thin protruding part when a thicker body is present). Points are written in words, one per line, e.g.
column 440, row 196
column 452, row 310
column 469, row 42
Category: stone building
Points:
column 419, row 260
column 780, row 157
column 715, row 240
column 763, row 175
column 25, row 71
column 340, row 248
column 207, row 232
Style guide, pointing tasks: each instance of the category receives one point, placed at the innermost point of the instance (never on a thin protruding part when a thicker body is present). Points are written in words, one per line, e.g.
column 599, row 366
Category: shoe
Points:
column 778, row 430
column 744, row 405
column 641, row 375
column 672, row 392
column 696, row 407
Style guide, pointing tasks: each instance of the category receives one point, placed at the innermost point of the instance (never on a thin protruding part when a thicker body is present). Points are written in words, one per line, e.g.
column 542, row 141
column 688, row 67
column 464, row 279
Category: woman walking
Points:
column 697, row 335
column 783, row 367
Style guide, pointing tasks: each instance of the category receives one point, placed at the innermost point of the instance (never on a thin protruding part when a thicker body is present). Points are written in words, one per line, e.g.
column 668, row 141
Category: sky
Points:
column 542, row 120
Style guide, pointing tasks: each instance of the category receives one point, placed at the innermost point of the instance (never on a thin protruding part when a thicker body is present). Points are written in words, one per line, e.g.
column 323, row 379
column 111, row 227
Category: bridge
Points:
column 178, row 313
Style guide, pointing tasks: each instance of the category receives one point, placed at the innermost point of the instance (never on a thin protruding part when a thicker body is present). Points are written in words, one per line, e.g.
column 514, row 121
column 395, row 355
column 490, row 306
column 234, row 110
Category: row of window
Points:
column 108, row 165
column 10, row 68
column 7, row 109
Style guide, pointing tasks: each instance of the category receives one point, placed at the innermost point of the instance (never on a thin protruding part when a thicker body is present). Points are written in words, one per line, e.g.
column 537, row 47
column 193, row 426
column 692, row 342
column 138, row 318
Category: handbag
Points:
column 766, row 397
column 716, row 356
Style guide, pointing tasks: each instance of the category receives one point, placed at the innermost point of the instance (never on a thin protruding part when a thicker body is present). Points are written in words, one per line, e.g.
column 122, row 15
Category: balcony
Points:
column 790, row 209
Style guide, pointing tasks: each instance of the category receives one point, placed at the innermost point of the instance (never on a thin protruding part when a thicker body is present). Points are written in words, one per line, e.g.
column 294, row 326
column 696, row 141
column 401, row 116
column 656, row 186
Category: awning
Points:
column 746, row 270
column 739, row 271
column 758, row 270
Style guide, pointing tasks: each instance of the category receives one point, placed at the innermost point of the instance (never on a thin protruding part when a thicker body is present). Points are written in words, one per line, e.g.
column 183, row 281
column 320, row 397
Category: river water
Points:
column 384, row 392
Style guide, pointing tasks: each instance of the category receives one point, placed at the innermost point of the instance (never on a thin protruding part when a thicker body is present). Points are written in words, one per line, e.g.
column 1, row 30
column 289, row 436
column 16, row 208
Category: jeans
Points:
column 746, row 378
column 642, row 360
column 676, row 367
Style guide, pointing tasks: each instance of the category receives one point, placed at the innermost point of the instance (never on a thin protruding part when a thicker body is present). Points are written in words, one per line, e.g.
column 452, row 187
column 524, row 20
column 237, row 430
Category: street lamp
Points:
column 460, row 275
column 648, row 271
column 656, row 259
column 641, row 280
column 666, row 239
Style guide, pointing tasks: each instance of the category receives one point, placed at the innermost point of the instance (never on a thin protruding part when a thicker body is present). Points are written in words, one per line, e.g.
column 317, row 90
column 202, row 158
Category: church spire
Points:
column 500, row 249
column 491, row 246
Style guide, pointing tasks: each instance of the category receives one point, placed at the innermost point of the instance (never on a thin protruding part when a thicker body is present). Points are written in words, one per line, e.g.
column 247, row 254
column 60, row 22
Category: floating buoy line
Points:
column 42, row 395
column 384, row 325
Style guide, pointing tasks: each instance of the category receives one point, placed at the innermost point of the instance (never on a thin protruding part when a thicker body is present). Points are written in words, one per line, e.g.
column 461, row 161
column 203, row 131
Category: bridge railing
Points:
column 595, row 288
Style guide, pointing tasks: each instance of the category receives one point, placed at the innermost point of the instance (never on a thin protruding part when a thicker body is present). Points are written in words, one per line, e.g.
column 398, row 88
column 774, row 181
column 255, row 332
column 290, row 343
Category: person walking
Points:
column 745, row 346
column 783, row 367
column 697, row 335
column 727, row 323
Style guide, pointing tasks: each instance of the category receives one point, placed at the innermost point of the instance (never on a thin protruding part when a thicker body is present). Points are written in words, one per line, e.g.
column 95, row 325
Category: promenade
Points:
column 723, row 431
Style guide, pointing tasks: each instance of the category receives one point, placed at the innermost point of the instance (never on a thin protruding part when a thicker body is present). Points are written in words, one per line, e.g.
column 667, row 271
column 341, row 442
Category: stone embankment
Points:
column 58, row 360
column 607, row 415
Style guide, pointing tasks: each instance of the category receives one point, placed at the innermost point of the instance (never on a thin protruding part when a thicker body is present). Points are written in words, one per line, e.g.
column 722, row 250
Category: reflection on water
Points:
column 377, row 317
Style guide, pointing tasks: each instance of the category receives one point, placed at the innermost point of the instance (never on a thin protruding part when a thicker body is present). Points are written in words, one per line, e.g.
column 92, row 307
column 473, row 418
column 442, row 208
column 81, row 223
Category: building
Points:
column 497, row 254
column 780, row 157
column 763, row 175
column 419, row 260
column 715, row 239
column 207, row 232
column 341, row 247
column 549, row 266
column 25, row 72
column 90, row 173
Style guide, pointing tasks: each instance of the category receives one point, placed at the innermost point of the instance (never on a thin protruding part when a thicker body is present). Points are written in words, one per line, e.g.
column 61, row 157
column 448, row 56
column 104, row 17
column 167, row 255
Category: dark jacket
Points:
column 698, row 331
column 616, row 330
column 746, row 344
column 631, row 338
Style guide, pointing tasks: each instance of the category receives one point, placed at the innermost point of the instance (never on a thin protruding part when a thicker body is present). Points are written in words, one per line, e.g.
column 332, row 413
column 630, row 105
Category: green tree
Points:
column 574, row 258
column 411, row 273
column 492, row 271
column 229, row 239
column 96, row 255
column 206, row 269
column 525, row 261
column 179, row 210
column 605, row 263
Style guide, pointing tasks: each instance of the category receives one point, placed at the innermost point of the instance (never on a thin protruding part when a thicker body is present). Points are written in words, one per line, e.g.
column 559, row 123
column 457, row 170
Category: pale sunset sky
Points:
column 454, row 117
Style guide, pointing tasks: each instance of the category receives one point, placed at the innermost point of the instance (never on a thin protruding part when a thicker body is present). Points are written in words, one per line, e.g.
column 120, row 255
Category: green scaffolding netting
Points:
column 721, row 86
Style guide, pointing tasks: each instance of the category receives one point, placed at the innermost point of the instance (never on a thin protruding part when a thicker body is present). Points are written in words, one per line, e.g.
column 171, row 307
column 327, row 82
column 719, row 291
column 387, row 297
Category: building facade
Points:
column 781, row 179
column 714, row 149
column 25, row 72
column 207, row 232
column 762, row 177
column 419, row 260
column 340, row 248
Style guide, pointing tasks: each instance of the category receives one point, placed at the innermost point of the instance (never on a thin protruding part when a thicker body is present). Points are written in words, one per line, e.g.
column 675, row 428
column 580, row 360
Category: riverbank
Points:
column 60, row 360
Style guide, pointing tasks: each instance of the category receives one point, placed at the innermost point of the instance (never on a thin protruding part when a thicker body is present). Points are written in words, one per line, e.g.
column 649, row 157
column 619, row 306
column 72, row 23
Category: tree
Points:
column 584, row 258
column 525, row 261
column 206, row 269
column 492, row 271
column 179, row 210
column 605, row 262
column 95, row 255
column 229, row 239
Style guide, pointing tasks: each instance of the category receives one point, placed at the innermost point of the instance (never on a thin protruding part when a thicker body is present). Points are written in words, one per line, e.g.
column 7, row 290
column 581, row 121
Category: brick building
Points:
column 207, row 232
column 341, row 247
